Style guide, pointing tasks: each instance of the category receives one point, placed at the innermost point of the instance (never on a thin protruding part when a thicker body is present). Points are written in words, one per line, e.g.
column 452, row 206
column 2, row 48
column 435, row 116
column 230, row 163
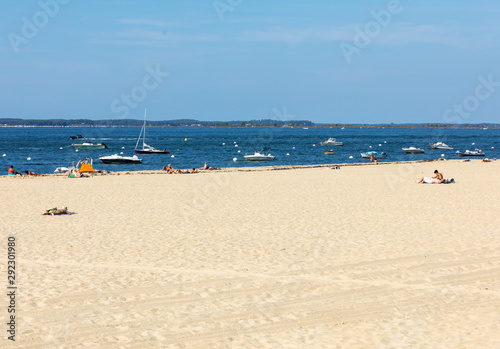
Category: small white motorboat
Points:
column 89, row 145
column 376, row 155
column 440, row 145
column 262, row 155
column 119, row 159
column 331, row 142
column 413, row 150
column 476, row 152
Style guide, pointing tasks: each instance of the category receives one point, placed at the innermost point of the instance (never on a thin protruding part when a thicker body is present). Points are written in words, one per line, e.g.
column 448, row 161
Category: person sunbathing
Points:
column 438, row 177
column 55, row 212
column 29, row 173
column 74, row 173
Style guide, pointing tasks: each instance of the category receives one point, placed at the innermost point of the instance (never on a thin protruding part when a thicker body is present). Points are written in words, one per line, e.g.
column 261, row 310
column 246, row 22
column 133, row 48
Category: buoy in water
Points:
column 287, row 154
column 59, row 148
column 235, row 159
column 239, row 151
column 329, row 152
column 76, row 149
column 350, row 157
column 4, row 155
column 121, row 152
column 172, row 156
column 236, row 145
column 185, row 139
column 28, row 159
column 223, row 143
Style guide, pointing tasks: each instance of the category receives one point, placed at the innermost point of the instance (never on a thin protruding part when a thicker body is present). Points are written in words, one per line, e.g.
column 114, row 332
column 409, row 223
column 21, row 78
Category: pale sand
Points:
column 360, row 257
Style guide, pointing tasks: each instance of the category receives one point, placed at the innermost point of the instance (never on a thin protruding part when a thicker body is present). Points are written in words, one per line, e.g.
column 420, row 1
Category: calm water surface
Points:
column 49, row 148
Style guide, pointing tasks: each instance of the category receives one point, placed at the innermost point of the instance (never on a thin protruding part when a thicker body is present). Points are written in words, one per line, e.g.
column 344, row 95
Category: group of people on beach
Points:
column 436, row 179
column 170, row 170
column 12, row 172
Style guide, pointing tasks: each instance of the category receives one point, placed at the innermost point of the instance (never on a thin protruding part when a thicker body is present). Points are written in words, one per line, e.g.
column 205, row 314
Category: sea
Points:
column 43, row 149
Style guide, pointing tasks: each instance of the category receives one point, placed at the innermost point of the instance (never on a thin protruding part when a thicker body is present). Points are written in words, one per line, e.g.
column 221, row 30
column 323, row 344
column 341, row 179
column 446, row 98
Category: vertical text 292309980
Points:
column 11, row 287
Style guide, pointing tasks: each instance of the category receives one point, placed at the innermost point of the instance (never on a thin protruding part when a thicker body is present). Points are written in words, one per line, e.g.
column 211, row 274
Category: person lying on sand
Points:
column 168, row 169
column 74, row 173
column 488, row 160
column 55, row 212
column 29, row 173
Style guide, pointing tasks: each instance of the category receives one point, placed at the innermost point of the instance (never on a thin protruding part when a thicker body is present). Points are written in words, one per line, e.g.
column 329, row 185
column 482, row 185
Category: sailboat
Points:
column 146, row 149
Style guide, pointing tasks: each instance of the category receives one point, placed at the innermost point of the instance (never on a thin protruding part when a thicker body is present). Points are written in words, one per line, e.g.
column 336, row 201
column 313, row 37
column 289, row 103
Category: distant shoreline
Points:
column 426, row 126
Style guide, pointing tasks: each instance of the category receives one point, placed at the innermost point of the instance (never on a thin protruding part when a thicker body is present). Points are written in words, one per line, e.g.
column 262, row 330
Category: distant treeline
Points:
column 198, row 123
column 139, row 123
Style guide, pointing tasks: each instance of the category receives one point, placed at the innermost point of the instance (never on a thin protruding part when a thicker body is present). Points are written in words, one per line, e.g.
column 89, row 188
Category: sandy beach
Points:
column 359, row 257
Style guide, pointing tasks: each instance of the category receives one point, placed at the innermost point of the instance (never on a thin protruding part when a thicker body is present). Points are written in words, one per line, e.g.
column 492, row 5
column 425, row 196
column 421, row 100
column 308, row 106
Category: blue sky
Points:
column 324, row 61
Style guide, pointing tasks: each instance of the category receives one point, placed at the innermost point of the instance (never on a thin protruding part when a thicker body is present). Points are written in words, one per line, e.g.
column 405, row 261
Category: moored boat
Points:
column 260, row 155
column 413, row 150
column 376, row 155
column 89, row 145
column 331, row 142
column 146, row 149
column 476, row 152
column 119, row 159
column 441, row 145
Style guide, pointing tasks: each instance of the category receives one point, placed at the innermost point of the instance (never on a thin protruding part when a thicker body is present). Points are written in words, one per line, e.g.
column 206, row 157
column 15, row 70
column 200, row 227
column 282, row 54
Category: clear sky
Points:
column 325, row 61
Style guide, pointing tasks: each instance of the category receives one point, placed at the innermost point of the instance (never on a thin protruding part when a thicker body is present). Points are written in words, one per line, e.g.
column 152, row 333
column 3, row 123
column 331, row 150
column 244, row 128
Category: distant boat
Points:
column 476, row 152
column 413, row 150
column 89, row 145
column 441, row 145
column 331, row 142
column 119, row 159
column 77, row 137
column 376, row 155
column 146, row 149
column 260, row 155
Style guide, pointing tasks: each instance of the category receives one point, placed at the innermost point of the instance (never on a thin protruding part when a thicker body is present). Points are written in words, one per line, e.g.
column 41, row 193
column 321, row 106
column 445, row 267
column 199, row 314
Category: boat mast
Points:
column 143, row 132
column 144, row 127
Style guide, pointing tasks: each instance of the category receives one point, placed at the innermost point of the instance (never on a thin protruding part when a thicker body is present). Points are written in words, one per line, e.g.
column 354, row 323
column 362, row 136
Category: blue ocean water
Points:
column 49, row 148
